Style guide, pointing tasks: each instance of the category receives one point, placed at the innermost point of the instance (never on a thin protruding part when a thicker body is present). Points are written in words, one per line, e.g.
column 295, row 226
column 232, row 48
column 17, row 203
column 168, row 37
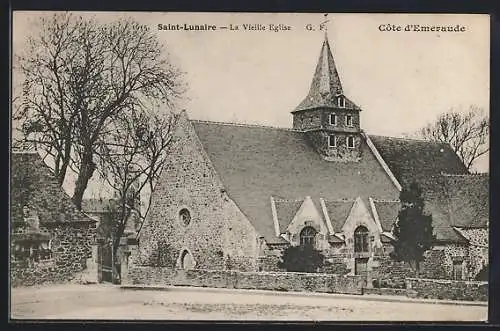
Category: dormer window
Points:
column 350, row 142
column 332, row 141
column 340, row 102
column 348, row 120
column 333, row 119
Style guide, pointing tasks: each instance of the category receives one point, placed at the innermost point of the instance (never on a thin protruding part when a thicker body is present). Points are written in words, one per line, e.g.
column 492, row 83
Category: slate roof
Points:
column 286, row 210
column 33, row 184
column 326, row 84
column 255, row 163
column 452, row 195
column 468, row 200
column 412, row 159
column 436, row 203
column 338, row 210
column 387, row 212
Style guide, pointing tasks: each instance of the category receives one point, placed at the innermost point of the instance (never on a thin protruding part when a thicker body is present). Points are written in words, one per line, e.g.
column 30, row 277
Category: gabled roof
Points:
column 452, row 195
column 33, row 184
column 326, row 84
column 256, row 162
column 387, row 213
column 286, row 210
column 338, row 210
column 412, row 159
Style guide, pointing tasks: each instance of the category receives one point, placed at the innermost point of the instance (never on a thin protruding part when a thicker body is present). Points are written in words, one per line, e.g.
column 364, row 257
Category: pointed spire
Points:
column 326, row 77
column 326, row 84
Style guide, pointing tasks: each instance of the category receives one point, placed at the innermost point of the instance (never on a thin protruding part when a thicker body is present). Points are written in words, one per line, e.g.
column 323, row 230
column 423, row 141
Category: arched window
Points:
column 361, row 239
column 185, row 216
column 308, row 236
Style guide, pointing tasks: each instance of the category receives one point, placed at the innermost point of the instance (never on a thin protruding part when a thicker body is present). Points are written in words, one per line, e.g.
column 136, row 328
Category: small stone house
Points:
column 50, row 239
column 234, row 196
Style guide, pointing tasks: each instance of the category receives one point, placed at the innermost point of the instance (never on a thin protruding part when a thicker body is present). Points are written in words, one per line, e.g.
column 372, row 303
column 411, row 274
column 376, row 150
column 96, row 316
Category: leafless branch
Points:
column 466, row 133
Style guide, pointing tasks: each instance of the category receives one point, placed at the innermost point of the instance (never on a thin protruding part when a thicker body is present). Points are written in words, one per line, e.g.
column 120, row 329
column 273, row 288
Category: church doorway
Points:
column 187, row 261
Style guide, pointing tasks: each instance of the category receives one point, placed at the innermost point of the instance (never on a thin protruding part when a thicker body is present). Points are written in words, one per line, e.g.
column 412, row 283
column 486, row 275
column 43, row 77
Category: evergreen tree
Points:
column 413, row 230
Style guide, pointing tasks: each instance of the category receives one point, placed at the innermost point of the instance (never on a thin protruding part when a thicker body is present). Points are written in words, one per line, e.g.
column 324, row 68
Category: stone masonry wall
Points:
column 478, row 250
column 320, row 118
column 341, row 153
column 393, row 273
column 71, row 246
column 281, row 281
column 188, row 181
column 453, row 252
column 241, row 248
column 448, row 289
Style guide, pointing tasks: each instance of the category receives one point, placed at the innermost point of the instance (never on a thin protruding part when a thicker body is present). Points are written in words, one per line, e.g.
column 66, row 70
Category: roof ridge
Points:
column 246, row 125
column 410, row 139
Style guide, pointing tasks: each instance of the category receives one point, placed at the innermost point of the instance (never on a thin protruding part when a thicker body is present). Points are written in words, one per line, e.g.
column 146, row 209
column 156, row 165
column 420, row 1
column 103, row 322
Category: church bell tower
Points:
column 329, row 118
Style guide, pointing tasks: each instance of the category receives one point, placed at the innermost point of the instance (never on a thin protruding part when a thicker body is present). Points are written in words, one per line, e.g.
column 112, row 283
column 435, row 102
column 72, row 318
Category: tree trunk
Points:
column 417, row 269
column 65, row 163
column 86, row 171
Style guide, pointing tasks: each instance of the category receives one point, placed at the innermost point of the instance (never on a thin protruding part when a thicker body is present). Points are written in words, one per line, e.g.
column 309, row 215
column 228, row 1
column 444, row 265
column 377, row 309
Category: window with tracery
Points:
column 361, row 239
column 308, row 236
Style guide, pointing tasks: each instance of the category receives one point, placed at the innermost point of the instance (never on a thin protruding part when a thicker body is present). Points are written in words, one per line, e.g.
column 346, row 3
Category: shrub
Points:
column 301, row 259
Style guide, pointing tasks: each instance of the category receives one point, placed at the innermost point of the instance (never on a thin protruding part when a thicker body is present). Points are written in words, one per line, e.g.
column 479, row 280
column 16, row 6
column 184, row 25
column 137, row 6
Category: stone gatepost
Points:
column 128, row 245
column 369, row 279
column 124, row 268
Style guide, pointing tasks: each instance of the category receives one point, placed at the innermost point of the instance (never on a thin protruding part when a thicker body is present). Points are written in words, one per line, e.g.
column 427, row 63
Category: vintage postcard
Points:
column 244, row 166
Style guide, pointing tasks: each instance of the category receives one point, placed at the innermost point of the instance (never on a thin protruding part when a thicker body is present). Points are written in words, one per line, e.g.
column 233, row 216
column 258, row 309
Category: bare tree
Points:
column 80, row 76
column 44, row 107
column 131, row 156
column 467, row 133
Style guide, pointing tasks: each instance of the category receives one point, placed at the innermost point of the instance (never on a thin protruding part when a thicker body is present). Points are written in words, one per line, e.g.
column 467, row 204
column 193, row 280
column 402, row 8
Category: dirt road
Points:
column 112, row 303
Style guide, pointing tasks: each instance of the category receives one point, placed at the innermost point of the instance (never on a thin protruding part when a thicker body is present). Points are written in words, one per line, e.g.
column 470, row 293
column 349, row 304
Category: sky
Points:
column 401, row 80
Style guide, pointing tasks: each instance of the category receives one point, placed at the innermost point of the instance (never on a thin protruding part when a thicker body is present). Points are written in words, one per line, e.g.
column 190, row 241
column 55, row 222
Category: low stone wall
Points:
column 385, row 291
column 448, row 289
column 278, row 281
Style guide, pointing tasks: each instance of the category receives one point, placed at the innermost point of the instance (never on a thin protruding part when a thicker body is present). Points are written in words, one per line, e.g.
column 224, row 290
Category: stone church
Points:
column 234, row 196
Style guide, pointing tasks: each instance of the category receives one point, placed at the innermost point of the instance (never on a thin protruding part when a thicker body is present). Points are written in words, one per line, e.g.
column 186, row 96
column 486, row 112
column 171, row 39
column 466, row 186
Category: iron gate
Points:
column 105, row 262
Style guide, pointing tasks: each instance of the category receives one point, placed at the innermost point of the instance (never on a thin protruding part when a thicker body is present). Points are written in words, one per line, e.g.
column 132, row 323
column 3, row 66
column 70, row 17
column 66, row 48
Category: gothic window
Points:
column 185, row 216
column 333, row 119
column 308, row 236
column 332, row 141
column 341, row 102
column 361, row 239
column 350, row 142
column 348, row 120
